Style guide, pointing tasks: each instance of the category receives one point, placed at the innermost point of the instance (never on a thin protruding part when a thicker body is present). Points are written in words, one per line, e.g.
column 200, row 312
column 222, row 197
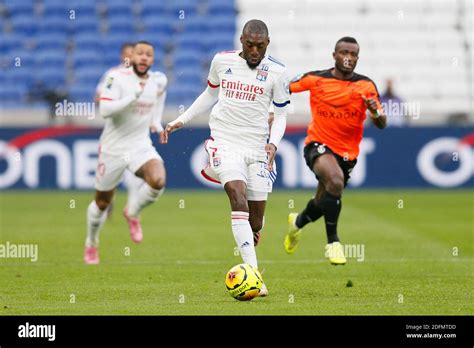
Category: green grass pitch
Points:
column 418, row 257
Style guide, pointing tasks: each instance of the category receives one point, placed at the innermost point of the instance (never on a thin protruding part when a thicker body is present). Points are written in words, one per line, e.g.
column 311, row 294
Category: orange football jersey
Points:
column 337, row 108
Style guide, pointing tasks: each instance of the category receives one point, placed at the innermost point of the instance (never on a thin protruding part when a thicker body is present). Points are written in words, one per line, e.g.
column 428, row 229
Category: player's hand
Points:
column 156, row 130
column 139, row 89
column 370, row 104
column 271, row 152
column 162, row 137
column 170, row 128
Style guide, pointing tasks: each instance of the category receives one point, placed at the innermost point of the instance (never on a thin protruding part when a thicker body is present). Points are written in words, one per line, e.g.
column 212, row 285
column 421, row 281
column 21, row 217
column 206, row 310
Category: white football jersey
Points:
column 130, row 129
column 241, row 115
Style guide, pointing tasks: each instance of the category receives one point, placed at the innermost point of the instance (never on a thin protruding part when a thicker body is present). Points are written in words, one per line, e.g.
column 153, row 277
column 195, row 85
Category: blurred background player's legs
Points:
column 96, row 216
column 144, row 193
column 133, row 183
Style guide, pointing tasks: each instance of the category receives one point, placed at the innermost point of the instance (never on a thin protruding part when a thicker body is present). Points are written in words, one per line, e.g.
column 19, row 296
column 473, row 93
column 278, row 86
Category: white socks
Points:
column 95, row 221
column 145, row 196
column 243, row 236
column 134, row 183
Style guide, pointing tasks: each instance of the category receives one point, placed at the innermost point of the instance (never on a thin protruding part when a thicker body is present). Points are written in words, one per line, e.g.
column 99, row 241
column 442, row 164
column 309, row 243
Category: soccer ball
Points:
column 243, row 282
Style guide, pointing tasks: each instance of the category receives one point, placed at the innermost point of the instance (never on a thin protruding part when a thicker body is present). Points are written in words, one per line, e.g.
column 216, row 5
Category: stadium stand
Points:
column 424, row 46
column 72, row 44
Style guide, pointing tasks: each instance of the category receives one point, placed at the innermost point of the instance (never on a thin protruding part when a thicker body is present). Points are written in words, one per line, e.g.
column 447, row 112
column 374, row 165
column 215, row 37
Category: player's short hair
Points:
column 144, row 42
column 255, row 26
column 346, row 39
column 126, row 45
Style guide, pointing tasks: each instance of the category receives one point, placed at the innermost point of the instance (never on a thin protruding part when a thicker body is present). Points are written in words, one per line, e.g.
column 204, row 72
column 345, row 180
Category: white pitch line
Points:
column 215, row 262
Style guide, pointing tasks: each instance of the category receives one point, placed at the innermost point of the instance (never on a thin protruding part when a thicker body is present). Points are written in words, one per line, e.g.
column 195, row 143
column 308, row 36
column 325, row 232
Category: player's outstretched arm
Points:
column 378, row 118
column 202, row 104
column 110, row 105
column 277, row 131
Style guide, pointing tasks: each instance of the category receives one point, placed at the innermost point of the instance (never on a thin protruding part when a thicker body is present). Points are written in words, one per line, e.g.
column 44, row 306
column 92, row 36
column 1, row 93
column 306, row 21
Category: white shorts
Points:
column 228, row 163
column 110, row 167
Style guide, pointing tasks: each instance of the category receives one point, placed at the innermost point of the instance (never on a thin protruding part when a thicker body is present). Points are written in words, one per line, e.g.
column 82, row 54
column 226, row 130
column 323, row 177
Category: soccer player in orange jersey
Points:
column 339, row 100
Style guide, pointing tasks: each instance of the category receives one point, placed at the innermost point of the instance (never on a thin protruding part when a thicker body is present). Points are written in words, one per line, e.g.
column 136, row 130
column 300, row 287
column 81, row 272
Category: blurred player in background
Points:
column 133, row 182
column 126, row 52
column 392, row 104
column 132, row 98
column 339, row 100
column 241, row 150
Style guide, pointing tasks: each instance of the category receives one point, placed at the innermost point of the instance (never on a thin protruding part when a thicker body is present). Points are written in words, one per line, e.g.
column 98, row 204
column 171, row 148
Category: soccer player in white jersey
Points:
column 130, row 99
column 133, row 182
column 241, row 149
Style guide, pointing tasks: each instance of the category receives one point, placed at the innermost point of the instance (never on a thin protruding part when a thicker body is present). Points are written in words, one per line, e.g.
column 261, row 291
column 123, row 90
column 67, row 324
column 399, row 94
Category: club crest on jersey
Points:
column 262, row 73
column 109, row 82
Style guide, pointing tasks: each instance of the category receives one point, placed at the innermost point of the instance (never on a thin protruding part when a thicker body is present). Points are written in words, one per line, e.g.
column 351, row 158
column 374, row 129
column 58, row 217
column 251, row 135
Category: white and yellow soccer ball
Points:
column 243, row 282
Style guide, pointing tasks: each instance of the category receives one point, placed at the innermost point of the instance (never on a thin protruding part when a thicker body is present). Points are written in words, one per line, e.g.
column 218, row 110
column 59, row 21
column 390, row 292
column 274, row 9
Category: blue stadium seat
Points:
column 89, row 74
column 121, row 25
column 118, row 7
column 86, row 25
column 189, row 40
column 54, row 41
column 159, row 40
column 12, row 95
column 159, row 24
column 154, row 7
column 189, row 7
column 217, row 42
column 82, row 92
column 52, row 77
column 55, row 25
column 18, row 76
column 23, row 57
column 112, row 42
column 11, row 41
column 196, row 24
column 25, row 24
column 18, row 8
column 221, row 8
column 50, row 57
column 222, row 25
column 111, row 58
column 83, row 9
column 187, row 58
column 190, row 76
column 84, row 58
column 87, row 42
column 183, row 94
column 58, row 8
column 121, row 18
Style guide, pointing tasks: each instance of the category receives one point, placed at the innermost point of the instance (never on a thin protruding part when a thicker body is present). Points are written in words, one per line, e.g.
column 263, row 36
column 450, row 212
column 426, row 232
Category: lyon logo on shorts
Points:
column 216, row 161
column 321, row 148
